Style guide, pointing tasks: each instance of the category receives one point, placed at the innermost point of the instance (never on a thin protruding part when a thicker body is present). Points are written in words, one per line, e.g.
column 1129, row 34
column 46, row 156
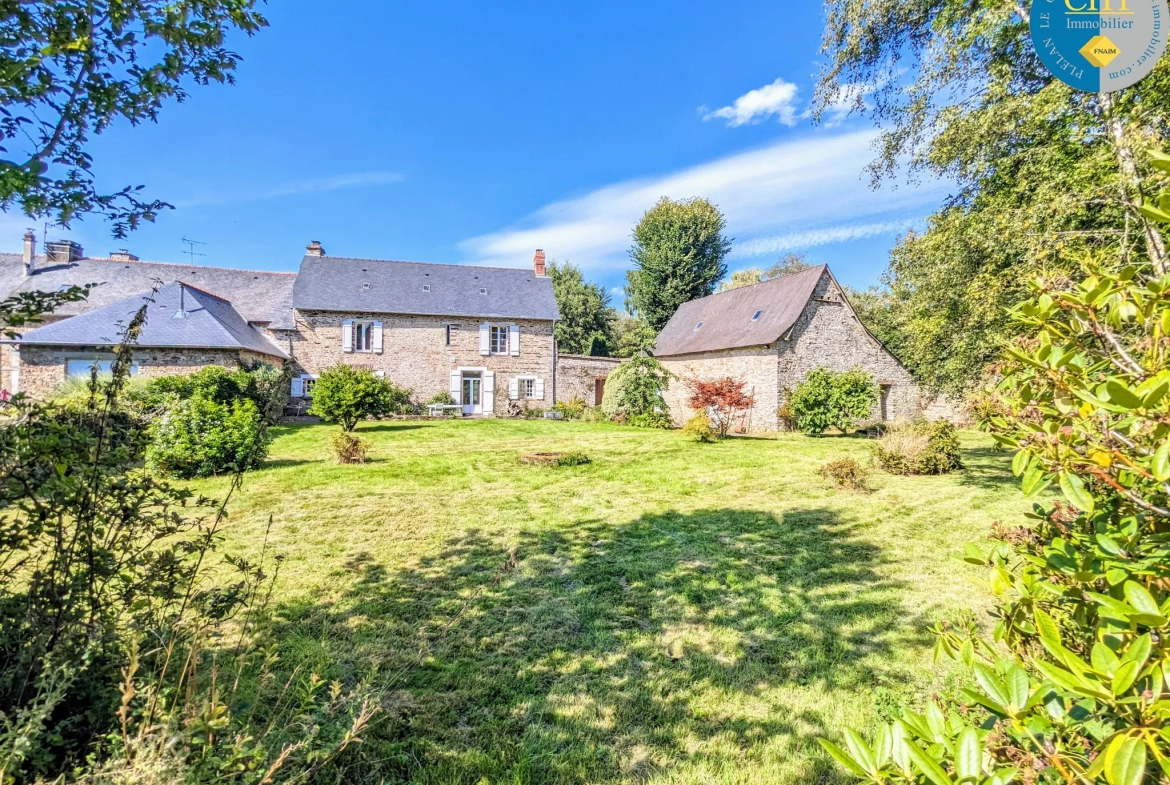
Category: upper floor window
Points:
column 498, row 341
column 363, row 336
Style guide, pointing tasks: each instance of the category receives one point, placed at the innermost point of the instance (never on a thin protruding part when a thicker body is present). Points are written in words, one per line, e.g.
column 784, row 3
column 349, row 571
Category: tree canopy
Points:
column 586, row 323
column 69, row 69
column 785, row 265
column 1039, row 168
column 678, row 254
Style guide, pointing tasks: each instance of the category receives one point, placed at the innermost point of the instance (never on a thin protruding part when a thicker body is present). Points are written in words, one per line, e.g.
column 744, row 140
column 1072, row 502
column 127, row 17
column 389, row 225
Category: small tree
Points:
column 345, row 395
column 721, row 400
column 827, row 399
column 635, row 388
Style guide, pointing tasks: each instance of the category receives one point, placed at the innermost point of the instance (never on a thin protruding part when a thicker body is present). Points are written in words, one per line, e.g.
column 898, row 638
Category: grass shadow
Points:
column 986, row 468
column 598, row 652
column 384, row 427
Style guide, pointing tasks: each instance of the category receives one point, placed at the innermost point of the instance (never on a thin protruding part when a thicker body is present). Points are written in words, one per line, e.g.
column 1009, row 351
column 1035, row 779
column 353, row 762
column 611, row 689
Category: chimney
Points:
column 314, row 249
column 64, row 251
column 538, row 262
column 30, row 252
column 122, row 255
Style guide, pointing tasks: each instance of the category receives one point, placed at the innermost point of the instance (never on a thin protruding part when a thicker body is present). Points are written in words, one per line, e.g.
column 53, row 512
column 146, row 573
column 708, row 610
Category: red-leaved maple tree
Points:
column 721, row 399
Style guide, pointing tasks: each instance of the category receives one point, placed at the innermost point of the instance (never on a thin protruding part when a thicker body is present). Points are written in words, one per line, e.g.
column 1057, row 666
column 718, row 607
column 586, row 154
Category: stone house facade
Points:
column 771, row 335
column 583, row 377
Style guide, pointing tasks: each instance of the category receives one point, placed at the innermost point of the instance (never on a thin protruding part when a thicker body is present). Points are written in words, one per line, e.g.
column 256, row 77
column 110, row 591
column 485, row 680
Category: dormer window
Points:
column 698, row 326
column 756, row 315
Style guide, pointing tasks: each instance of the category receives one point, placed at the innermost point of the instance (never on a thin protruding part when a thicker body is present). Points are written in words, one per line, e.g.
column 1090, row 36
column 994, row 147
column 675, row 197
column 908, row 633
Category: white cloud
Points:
column 811, row 238
column 778, row 98
column 791, row 192
column 297, row 187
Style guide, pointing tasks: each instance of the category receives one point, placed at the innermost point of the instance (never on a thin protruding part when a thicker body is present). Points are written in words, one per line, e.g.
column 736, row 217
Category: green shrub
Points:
column 919, row 448
column 442, row 399
column 659, row 420
column 571, row 409
column 699, row 428
column 199, row 437
column 828, row 399
column 846, row 473
column 534, row 413
column 348, row 448
column 635, row 388
column 346, row 395
column 1075, row 685
column 265, row 385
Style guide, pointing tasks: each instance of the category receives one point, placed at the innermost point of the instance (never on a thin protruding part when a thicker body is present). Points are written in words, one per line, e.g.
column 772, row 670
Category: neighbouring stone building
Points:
column 482, row 334
column 770, row 335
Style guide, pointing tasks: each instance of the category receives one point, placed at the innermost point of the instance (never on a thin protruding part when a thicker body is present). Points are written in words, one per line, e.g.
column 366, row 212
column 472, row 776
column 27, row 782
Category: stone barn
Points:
column 771, row 335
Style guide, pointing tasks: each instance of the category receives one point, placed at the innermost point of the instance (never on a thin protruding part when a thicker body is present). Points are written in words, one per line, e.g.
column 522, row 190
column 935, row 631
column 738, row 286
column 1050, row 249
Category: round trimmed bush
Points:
column 635, row 388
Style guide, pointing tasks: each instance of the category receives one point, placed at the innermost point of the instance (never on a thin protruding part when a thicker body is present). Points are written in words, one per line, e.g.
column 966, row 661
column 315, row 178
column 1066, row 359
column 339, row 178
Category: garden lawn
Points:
column 673, row 612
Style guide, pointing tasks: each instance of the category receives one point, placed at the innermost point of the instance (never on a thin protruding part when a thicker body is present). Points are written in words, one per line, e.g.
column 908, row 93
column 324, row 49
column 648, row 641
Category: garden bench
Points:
column 439, row 409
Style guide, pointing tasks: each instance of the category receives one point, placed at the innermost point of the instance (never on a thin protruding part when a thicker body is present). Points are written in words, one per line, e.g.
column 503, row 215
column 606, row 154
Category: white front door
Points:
column 471, row 397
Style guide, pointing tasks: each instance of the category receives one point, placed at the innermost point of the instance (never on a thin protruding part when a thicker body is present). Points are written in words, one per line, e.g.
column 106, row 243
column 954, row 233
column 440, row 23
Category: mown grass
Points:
column 672, row 612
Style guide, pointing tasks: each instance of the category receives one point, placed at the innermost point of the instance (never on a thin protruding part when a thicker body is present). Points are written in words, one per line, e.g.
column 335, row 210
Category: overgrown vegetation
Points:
column 200, row 437
column 827, row 399
column 846, row 473
column 349, row 448
column 1075, row 685
column 699, row 428
column 919, row 448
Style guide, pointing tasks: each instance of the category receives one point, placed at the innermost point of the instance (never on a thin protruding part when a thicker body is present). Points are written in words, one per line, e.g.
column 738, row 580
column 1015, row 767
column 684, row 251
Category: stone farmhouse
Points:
column 483, row 334
column 771, row 335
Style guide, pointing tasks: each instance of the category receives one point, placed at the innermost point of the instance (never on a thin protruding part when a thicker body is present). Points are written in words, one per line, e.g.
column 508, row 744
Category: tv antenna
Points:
column 191, row 249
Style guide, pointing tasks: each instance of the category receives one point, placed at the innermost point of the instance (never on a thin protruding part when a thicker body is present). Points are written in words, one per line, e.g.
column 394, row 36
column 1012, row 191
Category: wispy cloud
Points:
column 778, row 98
column 308, row 186
column 811, row 238
column 785, row 196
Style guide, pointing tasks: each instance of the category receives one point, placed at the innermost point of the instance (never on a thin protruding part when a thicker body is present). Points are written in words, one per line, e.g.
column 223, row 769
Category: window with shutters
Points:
column 363, row 336
column 307, row 383
column 528, row 388
column 498, row 342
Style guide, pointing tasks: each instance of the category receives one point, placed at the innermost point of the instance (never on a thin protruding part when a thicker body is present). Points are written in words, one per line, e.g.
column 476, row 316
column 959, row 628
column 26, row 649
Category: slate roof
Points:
column 260, row 297
column 727, row 316
column 210, row 323
column 334, row 283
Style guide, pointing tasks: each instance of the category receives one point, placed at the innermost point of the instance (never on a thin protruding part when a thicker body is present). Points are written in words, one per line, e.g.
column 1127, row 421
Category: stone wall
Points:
column 415, row 353
column 42, row 368
column 755, row 365
column 829, row 335
column 577, row 376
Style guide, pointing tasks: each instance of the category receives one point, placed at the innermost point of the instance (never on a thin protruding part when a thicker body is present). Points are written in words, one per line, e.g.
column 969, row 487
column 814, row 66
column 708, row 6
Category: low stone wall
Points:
column 42, row 368
column 578, row 376
column 944, row 407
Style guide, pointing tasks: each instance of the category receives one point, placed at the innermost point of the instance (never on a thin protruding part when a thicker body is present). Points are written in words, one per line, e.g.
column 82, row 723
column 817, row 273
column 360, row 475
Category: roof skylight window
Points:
column 365, row 286
column 698, row 326
column 426, row 287
column 483, row 291
column 756, row 315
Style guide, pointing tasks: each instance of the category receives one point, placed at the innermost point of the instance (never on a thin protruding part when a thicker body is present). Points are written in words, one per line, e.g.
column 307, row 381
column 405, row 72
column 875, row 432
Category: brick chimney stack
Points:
column 122, row 255
column 538, row 262
column 314, row 249
column 30, row 252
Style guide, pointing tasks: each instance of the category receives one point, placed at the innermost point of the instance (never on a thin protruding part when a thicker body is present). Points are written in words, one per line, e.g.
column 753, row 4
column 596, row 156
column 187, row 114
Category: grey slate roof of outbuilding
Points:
column 210, row 323
column 260, row 297
column 334, row 283
column 727, row 317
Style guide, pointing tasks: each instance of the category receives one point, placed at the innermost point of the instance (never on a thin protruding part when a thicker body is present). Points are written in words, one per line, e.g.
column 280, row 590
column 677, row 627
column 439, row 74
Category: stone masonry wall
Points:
column 755, row 365
column 577, row 376
column 828, row 335
column 42, row 369
column 415, row 353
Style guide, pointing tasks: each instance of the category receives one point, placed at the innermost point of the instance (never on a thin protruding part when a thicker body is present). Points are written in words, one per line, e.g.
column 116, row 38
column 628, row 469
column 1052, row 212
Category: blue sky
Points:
column 477, row 132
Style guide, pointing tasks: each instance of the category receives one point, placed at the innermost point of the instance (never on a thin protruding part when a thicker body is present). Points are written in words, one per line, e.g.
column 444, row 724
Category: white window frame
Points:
column 307, row 382
column 527, row 387
column 498, row 340
column 363, row 337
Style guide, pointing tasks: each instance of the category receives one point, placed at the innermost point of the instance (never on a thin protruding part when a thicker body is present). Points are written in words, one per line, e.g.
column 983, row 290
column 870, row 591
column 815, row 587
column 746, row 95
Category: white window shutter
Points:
column 347, row 335
column 514, row 340
column 489, row 392
column 453, row 387
column 484, row 340
column 538, row 389
column 377, row 331
column 514, row 388
column 298, row 387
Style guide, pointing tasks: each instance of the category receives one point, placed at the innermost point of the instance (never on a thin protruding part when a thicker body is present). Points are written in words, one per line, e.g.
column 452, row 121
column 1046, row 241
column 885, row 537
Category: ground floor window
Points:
column 307, row 384
column 82, row 367
column 528, row 388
